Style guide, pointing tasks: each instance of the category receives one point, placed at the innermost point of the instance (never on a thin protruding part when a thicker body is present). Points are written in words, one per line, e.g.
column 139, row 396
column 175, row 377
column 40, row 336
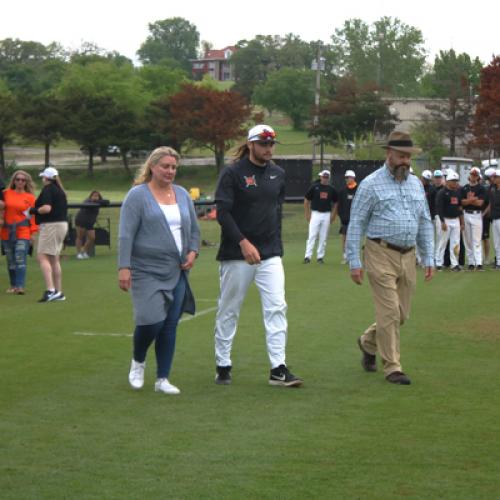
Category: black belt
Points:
column 473, row 211
column 385, row 244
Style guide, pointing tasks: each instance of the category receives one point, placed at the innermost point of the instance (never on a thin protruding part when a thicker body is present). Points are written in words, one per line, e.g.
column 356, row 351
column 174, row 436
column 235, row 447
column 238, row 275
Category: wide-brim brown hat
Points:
column 400, row 141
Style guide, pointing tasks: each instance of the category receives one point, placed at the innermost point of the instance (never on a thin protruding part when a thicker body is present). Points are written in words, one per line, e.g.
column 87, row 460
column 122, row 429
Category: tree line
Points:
column 97, row 98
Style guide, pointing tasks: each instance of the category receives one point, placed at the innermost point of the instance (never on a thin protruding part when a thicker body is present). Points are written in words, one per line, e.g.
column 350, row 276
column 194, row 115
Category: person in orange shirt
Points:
column 19, row 229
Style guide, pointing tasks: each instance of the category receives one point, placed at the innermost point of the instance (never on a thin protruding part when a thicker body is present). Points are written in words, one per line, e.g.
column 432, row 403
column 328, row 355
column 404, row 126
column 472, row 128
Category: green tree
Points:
column 120, row 93
column 453, row 79
column 389, row 54
column 8, row 112
column 173, row 38
column 42, row 119
column 355, row 111
column 290, row 91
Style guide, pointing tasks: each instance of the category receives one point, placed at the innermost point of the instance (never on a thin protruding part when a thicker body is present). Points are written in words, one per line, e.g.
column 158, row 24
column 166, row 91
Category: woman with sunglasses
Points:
column 18, row 230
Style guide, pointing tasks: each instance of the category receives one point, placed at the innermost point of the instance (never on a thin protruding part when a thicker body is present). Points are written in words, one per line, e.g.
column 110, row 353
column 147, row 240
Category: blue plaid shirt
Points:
column 396, row 212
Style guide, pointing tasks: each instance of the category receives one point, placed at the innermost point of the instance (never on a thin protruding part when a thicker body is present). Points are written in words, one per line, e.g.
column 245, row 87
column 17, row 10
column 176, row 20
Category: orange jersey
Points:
column 15, row 204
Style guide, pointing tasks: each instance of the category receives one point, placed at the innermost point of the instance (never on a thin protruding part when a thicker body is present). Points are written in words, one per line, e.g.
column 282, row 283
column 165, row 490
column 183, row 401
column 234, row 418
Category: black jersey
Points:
column 249, row 200
column 433, row 192
column 322, row 197
column 54, row 196
column 346, row 195
column 495, row 203
column 479, row 192
column 448, row 203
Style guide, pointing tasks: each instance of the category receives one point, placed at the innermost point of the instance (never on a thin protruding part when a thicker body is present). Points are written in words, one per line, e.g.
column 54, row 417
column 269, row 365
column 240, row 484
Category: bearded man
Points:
column 391, row 210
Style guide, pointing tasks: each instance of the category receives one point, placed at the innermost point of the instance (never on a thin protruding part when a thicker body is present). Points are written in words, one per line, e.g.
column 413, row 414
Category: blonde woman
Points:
column 51, row 210
column 158, row 243
column 19, row 229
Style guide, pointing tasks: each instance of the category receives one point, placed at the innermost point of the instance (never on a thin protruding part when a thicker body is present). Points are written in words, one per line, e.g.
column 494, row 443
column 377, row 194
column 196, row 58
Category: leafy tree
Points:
column 454, row 79
column 354, row 111
column 389, row 54
column 429, row 136
column 159, row 80
column 173, row 38
column 290, row 91
column 8, row 114
column 486, row 124
column 120, row 93
column 208, row 118
column 42, row 119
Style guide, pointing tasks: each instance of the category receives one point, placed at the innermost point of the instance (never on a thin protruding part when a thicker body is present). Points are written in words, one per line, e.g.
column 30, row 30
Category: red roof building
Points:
column 216, row 63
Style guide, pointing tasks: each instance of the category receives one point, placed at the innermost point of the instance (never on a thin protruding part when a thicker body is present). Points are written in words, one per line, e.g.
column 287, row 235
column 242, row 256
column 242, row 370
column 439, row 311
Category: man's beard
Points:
column 400, row 172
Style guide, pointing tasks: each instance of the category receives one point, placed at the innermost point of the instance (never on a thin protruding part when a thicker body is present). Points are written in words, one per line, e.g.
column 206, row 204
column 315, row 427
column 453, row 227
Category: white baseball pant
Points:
column 439, row 241
column 235, row 278
column 318, row 227
column 495, row 224
column 473, row 232
column 452, row 234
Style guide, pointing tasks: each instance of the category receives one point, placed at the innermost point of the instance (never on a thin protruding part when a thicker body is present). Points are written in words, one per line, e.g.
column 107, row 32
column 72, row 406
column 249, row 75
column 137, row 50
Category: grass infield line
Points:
column 95, row 334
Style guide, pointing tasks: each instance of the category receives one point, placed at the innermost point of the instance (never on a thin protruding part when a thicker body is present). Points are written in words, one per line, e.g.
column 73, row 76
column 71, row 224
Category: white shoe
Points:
column 85, row 255
column 136, row 375
column 80, row 256
column 163, row 385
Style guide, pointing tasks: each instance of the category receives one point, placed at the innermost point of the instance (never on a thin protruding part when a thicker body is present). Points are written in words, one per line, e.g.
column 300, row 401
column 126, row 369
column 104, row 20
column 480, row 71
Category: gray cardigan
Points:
column 147, row 247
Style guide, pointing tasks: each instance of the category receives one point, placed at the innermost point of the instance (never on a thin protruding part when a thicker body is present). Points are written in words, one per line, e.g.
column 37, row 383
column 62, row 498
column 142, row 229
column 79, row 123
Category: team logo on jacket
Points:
column 323, row 196
column 250, row 181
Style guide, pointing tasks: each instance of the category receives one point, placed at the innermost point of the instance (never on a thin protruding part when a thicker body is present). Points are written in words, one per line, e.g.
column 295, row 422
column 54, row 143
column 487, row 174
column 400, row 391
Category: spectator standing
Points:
column 51, row 210
column 489, row 175
column 495, row 216
column 19, row 228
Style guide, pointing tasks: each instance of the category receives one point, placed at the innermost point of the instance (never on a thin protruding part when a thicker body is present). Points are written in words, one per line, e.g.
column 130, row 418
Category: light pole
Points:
column 318, row 65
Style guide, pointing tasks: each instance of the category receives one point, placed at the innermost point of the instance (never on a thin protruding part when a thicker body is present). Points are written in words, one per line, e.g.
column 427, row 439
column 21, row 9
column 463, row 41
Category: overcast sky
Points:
column 472, row 27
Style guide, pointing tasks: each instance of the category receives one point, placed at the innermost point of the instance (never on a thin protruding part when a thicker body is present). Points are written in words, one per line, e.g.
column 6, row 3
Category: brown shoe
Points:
column 368, row 361
column 398, row 378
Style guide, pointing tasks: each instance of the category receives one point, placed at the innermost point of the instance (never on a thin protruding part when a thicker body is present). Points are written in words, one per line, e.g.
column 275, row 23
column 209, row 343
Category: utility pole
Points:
column 316, row 99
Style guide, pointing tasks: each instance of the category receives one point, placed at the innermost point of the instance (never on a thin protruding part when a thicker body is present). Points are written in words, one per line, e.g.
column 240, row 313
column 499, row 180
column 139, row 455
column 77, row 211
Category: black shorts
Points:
column 85, row 223
column 486, row 228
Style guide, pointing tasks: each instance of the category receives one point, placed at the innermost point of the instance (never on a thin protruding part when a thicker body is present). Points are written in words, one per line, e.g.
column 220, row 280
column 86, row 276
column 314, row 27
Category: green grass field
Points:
column 71, row 427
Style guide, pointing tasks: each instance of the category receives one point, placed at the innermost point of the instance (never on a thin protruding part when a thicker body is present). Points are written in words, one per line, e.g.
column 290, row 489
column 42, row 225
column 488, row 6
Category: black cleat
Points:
column 368, row 361
column 307, row 260
column 223, row 375
column 282, row 376
column 471, row 267
column 398, row 378
column 321, row 261
column 456, row 269
column 479, row 268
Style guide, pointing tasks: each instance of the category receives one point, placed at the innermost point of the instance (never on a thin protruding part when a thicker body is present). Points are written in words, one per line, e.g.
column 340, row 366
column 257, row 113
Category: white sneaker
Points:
column 136, row 375
column 163, row 385
column 85, row 255
column 80, row 256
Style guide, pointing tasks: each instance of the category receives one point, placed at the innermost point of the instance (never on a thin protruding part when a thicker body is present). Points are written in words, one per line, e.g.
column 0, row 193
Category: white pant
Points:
column 439, row 241
column 452, row 234
column 318, row 225
column 473, row 232
column 235, row 278
column 495, row 225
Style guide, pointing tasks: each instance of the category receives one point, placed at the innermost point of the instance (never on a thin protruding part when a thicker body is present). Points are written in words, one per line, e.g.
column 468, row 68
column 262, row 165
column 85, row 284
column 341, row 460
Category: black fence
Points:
column 362, row 168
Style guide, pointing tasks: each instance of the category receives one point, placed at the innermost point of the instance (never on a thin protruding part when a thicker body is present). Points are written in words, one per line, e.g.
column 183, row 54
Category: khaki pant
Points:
column 392, row 277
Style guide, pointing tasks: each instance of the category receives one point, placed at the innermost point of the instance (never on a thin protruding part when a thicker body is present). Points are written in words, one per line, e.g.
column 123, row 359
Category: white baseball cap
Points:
column 49, row 173
column 452, row 176
column 497, row 172
column 427, row 174
column 475, row 171
column 324, row 173
column 350, row 173
column 438, row 173
column 489, row 172
column 261, row 133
